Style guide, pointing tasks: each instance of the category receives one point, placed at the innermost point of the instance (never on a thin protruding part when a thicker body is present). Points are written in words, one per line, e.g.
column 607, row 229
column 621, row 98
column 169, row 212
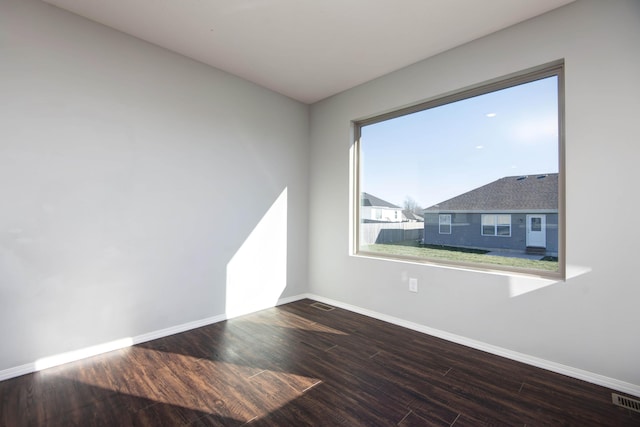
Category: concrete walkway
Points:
column 515, row 254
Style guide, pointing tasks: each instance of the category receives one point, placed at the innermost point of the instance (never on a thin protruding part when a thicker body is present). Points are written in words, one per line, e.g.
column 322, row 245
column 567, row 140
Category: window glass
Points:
column 445, row 224
column 489, row 156
column 489, row 225
column 536, row 224
column 503, row 227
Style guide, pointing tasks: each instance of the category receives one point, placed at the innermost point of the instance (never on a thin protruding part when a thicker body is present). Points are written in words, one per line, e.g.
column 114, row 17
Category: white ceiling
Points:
column 308, row 49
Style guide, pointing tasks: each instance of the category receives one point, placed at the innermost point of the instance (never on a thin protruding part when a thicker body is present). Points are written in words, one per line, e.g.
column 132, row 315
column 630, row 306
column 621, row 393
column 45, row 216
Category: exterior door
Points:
column 537, row 231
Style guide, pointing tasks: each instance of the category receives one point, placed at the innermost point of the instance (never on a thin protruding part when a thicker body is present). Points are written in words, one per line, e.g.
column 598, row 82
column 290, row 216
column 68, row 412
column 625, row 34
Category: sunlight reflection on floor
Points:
column 292, row 321
column 242, row 392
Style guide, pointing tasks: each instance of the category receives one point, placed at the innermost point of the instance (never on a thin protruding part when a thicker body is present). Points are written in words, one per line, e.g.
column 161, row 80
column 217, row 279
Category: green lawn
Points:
column 412, row 249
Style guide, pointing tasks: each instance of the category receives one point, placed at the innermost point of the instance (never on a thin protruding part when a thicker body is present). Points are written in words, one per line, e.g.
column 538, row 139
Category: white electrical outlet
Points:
column 413, row 284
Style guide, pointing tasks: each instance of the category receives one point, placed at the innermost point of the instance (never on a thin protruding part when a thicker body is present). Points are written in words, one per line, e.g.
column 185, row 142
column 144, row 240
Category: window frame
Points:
column 555, row 68
column 496, row 225
column 440, row 224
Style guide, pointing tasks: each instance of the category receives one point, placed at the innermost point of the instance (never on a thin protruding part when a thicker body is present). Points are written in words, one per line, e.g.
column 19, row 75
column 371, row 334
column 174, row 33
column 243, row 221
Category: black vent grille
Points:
column 321, row 306
column 626, row 402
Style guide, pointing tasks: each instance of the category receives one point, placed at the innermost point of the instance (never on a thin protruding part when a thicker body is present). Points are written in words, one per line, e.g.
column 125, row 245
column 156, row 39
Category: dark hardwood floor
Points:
column 297, row 365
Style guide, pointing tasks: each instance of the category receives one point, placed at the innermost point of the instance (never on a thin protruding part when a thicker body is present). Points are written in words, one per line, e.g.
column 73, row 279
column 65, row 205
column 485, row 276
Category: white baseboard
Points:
column 17, row 371
column 580, row 374
column 559, row 368
column 150, row 336
column 95, row 350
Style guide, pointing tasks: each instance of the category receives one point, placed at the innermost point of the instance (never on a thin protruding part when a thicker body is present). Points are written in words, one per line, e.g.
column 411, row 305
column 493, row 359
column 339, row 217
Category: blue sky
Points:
column 437, row 154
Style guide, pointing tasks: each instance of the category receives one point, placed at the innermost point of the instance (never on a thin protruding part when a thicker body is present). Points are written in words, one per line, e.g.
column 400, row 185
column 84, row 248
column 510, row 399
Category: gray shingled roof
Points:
column 412, row 215
column 369, row 200
column 512, row 193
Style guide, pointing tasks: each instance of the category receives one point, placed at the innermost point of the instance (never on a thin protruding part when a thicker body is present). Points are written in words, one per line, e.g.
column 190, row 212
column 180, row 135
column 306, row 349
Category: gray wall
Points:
column 130, row 178
column 588, row 322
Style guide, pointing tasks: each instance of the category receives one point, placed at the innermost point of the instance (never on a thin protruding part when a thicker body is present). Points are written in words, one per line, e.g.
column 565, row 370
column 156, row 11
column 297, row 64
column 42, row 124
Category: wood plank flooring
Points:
column 296, row 365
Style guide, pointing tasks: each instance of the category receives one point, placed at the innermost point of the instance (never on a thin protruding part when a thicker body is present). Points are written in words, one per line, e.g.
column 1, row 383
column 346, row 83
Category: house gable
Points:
column 378, row 210
column 369, row 200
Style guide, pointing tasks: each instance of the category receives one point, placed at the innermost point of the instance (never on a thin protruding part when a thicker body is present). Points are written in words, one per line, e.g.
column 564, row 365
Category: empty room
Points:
column 287, row 213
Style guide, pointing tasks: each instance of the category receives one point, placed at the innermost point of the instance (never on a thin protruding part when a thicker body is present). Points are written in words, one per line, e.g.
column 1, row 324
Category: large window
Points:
column 496, row 225
column 478, row 175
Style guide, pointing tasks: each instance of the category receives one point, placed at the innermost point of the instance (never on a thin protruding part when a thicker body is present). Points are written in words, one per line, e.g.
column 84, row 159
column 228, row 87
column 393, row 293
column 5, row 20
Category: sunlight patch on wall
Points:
column 257, row 273
column 573, row 271
column 72, row 356
column 520, row 285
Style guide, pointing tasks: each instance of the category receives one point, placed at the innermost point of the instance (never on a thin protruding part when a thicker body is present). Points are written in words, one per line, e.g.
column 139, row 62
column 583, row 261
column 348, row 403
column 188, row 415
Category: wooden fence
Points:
column 390, row 232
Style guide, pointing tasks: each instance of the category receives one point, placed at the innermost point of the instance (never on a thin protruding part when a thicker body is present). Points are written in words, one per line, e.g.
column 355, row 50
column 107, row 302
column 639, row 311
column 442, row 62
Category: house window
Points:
column 444, row 224
column 496, row 225
column 489, row 156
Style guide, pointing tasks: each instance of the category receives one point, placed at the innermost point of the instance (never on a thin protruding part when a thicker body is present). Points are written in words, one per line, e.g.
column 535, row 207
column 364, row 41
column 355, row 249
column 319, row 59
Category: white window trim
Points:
column 554, row 68
column 495, row 225
column 440, row 224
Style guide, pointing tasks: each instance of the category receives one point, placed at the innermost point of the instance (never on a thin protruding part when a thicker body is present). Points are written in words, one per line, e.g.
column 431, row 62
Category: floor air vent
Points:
column 321, row 306
column 625, row 402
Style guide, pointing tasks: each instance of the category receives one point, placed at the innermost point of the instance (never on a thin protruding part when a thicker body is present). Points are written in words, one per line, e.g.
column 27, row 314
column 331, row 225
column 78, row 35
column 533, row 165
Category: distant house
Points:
column 513, row 213
column 373, row 209
column 409, row 216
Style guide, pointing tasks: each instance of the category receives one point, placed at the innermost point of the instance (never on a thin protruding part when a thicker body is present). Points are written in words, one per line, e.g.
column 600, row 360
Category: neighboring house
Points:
column 513, row 213
column 373, row 209
column 409, row 216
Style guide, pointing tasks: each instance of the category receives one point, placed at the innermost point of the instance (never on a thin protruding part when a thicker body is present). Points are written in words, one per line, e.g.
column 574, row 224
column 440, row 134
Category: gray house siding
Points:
column 466, row 231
